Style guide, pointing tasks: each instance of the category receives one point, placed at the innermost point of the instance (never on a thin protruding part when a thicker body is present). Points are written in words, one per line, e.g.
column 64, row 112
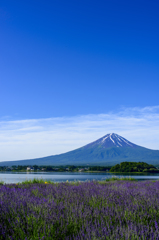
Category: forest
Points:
column 134, row 167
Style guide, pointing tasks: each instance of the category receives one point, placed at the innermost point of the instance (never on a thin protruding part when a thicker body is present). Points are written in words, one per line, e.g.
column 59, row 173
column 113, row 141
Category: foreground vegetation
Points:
column 138, row 167
column 37, row 210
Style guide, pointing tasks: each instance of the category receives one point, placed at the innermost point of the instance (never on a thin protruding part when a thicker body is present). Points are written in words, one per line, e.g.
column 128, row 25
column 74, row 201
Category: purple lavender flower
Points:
column 89, row 210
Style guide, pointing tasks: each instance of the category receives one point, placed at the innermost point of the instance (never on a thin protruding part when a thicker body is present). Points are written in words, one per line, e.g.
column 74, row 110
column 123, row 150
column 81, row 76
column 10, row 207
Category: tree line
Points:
column 134, row 167
column 50, row 168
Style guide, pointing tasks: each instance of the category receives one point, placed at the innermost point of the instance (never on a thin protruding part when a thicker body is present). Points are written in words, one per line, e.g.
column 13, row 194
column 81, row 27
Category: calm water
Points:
column 15, row 177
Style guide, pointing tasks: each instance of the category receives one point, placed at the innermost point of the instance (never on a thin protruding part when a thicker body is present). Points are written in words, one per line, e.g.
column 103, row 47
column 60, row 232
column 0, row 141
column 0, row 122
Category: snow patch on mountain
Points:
column 104, row 139
column 112, row 140
column 119, row 144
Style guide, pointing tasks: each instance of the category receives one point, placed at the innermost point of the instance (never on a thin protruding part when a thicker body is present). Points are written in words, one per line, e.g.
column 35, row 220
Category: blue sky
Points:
column 66, row 59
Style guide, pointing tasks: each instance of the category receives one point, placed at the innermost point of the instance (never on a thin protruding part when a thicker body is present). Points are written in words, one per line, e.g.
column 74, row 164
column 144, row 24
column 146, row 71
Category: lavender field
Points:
column 88, row 210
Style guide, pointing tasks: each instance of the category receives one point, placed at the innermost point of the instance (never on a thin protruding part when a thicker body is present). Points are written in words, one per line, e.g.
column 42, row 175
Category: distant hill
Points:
column 140, row 167
column 106, row 151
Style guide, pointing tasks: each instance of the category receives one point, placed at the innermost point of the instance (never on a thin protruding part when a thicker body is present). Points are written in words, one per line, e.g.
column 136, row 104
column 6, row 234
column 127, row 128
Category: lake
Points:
column 15, row 177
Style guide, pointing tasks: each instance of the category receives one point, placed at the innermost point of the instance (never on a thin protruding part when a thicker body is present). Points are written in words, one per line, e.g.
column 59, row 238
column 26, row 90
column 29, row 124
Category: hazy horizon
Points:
column 34, row 138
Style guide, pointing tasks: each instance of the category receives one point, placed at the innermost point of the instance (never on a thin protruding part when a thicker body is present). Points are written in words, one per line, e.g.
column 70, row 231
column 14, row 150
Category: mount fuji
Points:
column 112, row 140
column 106, row 151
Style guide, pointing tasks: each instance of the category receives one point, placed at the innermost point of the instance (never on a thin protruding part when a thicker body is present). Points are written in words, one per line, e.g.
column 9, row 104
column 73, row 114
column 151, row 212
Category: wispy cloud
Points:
column 34, row 138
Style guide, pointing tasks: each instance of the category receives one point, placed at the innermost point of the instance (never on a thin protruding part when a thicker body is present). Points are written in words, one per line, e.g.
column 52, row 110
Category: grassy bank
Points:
column 114, row 178
column 112, row 209
column 42, row 181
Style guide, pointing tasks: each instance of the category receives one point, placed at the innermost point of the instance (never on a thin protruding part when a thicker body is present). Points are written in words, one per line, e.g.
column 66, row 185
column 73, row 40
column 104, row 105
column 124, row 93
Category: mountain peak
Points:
column 106, row 151
column 112, row 140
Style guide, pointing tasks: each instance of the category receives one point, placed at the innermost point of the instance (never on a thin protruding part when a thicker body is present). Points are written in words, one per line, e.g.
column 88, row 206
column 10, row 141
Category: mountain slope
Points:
column 106, row 151
column 112, row 140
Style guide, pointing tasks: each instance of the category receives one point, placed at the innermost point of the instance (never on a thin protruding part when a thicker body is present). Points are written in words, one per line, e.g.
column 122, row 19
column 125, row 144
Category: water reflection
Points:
column 15, row 177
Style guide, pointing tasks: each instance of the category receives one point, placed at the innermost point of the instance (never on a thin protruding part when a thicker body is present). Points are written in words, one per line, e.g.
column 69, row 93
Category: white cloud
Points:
column 33, row 138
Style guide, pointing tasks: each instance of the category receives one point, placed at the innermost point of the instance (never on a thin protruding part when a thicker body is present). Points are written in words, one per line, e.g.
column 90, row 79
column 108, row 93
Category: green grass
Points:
column 42, row 181
column 1, row 183
column 114, row 178
column 36, row 180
